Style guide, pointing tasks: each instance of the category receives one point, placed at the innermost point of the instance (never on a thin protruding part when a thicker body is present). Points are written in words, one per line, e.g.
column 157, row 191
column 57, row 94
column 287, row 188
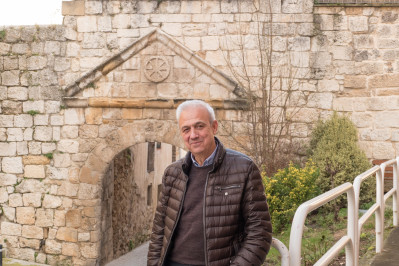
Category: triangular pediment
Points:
column 157, row 48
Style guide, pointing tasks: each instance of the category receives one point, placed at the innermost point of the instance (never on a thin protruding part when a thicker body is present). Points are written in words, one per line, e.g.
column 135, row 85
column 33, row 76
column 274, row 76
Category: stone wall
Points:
column 357, row 50
column 55, row 151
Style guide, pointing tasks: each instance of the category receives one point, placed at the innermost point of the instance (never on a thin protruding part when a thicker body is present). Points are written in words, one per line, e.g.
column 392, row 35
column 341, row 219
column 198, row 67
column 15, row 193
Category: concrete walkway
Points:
column 390, row 252
column 137, row 257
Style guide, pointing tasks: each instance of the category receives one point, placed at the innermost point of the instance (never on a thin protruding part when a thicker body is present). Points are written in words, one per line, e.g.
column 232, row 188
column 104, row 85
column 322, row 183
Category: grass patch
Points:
column 321, row 232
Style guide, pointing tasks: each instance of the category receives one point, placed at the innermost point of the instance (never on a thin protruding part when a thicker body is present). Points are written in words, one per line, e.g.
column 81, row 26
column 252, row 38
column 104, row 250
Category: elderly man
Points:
column 212, row 209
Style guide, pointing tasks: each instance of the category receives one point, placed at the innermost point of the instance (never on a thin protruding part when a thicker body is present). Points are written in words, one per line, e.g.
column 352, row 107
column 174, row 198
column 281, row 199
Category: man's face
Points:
column 198, row 132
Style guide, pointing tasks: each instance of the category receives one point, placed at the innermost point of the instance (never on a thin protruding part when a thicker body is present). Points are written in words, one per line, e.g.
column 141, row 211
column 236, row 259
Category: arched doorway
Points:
column 131, row 185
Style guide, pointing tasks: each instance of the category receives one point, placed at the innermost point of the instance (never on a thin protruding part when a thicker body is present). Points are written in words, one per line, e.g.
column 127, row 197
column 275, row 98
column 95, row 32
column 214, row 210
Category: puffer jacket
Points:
column 236, row 219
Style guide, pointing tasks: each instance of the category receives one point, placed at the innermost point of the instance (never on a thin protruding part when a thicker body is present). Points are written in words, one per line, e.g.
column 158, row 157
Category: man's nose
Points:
column 193, row 134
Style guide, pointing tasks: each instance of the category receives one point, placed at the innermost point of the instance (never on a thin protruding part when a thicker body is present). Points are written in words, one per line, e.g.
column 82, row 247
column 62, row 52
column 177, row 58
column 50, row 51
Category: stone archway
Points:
column 92, row 184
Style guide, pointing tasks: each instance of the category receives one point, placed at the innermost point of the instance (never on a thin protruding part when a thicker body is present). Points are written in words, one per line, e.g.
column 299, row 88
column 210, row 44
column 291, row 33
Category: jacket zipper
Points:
column 177, row 220
column 228, row 187
column 203, row 219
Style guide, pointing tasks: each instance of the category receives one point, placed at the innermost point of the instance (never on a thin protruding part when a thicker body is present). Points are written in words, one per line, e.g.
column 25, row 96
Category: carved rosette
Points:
column 156, row 68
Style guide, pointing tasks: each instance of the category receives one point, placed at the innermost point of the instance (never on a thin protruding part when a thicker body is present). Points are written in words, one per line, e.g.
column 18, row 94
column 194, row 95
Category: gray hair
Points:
column 195, row 103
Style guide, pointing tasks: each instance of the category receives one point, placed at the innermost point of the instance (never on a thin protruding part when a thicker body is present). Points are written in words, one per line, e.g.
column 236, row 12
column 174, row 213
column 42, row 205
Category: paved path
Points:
column 137, row 257
column 390, row 252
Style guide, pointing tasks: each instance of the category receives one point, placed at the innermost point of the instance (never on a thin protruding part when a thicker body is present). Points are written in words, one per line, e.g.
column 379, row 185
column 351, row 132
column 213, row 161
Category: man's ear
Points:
column 215, row 126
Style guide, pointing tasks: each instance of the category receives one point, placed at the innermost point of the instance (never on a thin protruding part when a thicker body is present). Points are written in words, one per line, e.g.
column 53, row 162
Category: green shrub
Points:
column 334, row 149
column 287, row 189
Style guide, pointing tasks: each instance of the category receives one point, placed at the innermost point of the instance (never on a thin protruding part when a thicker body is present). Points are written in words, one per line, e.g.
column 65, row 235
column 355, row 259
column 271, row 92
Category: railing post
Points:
column 1, row 255
column 379, row 216
column 351, row 250
column 395, row 199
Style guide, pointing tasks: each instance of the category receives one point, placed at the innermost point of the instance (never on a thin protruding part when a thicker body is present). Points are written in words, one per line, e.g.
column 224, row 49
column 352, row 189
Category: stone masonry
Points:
column 73, row 96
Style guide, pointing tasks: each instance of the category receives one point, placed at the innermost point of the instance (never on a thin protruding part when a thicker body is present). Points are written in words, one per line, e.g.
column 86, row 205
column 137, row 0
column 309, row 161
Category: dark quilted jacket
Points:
column 236, row 218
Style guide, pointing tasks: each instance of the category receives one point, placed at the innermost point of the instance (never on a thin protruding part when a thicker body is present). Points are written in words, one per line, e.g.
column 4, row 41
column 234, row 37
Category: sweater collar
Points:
column 217, row 159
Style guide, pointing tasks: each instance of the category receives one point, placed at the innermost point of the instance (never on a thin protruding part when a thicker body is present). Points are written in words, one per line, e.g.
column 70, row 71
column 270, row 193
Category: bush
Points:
column 287, row 189
column 334, row 149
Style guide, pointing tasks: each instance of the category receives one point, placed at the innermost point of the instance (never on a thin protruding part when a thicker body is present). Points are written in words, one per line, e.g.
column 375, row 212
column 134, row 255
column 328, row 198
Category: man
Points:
column 212, row 209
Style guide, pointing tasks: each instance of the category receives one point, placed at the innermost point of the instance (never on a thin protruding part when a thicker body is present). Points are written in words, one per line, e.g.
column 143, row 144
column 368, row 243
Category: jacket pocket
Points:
column 228, row 189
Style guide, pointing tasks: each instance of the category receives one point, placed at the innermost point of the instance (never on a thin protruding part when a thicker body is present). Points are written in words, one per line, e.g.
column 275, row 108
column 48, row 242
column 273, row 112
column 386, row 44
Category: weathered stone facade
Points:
column 74, row 96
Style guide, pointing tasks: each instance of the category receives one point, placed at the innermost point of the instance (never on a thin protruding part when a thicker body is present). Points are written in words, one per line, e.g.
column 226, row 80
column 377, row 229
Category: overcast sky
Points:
column 30, row 12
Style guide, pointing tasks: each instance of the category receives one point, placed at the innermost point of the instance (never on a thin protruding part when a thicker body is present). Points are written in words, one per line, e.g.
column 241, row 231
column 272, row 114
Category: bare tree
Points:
column 271, row 75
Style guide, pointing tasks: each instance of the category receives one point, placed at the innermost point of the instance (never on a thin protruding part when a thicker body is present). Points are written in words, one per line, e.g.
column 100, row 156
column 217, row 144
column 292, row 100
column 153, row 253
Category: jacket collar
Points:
column 221, row 151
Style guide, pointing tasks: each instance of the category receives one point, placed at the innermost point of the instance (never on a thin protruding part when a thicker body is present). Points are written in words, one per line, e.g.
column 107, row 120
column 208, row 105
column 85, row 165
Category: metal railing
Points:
column 351, row 241
column 357, row 2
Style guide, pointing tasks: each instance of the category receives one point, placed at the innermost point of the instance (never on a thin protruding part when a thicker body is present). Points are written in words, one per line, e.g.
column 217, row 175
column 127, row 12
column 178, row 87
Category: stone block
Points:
column 32, row 199
column 15, row 200
column 62, row 160
column 31, row 159
column 67, row 234
column 6, row 120
column 9, row 213
column 10, row 78
column 51, row 202
column 34, row 171
column 20, row 48
column 11, row 107
column 385, row 80
column 342, row 52
column 121, row 21
column 17, row 93
column 33, row 106
column 57, row 173
column 73, row 8
column 36, row 62
column 328, row 85
column 358, row 24
column 358, row 82
column 192, row 7
column 93, row 7
column 3, row 195
column 83, row 237
column 62, row 64
column 299, row 44
column 383, row 150
column 89, row 250
column 53, row 246
column 26, row 254
column 11, row 229
column 386, row 119
column 42, row 133
column 69, row 146
column 15, row 134
column 59, row 218
column 321, row 100
column 7, row 179
column 44, row 217
column 31, row 231
column 70, row 249
column 73, row 219
column 30, row 185
column 12, row 165
column 88, row 191
column 87, row 24
column 23, row 120
column 71, row 132
column 29, row 243
column 25, row 215
column 56, row 120
column 52, row 48
column 68, row 189
column 321, row 60
column 51, row 107
column 74, row 116
column 8, row 148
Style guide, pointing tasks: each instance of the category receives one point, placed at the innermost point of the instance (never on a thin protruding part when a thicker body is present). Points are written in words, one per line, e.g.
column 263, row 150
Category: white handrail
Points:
column 305, row 208
column 351, row 241
column 285, row 255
